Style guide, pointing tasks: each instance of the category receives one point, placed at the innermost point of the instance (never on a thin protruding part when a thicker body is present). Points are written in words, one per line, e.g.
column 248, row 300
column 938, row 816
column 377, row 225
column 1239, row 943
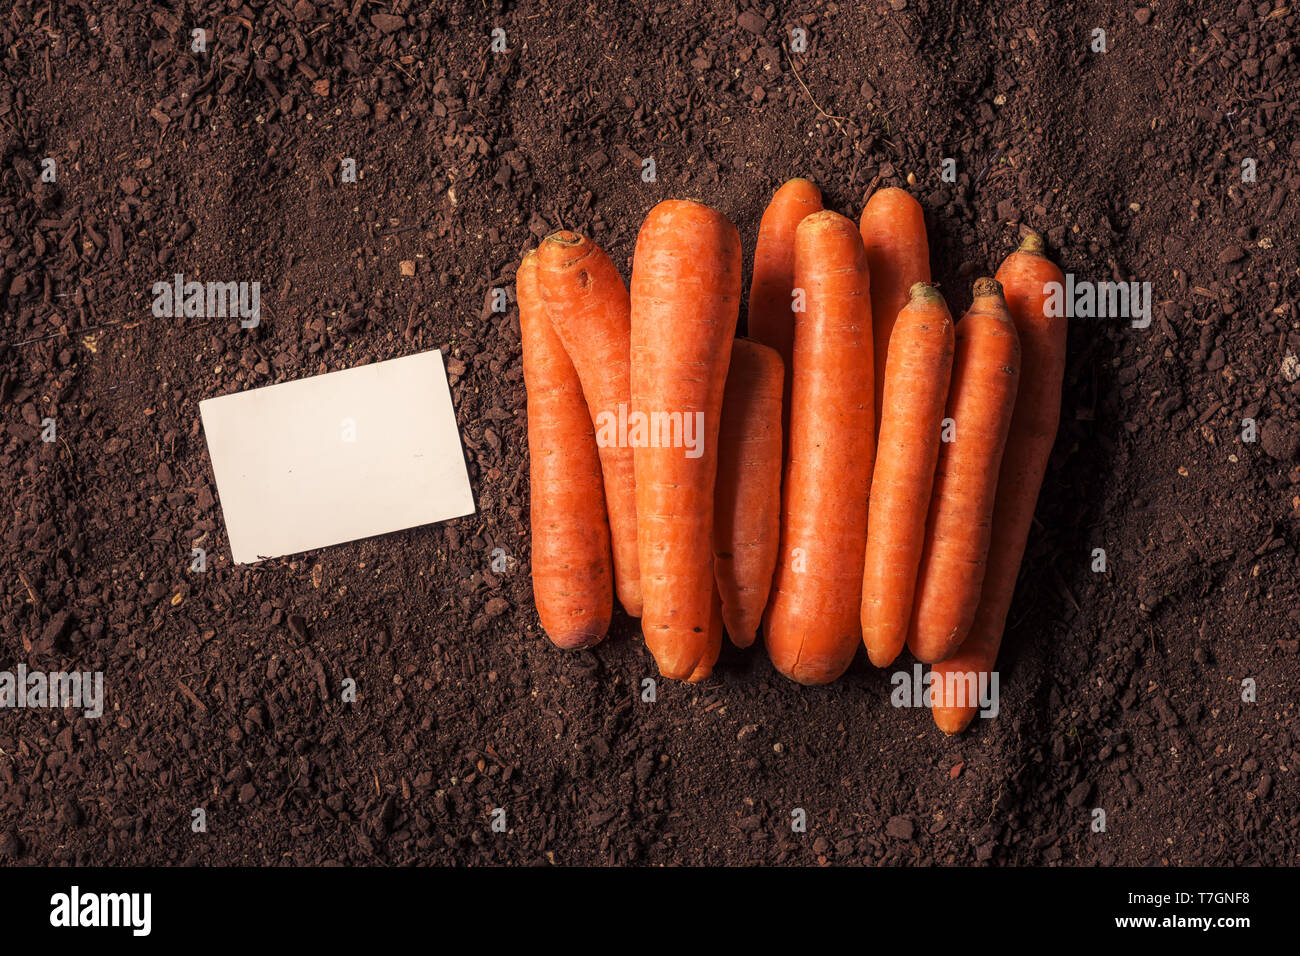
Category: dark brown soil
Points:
column 1120, row 691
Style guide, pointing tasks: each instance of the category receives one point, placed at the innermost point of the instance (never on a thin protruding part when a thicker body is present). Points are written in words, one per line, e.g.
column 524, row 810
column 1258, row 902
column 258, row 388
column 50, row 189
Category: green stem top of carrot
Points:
column 924, row 291
column 564, row 237
column 1033, row 245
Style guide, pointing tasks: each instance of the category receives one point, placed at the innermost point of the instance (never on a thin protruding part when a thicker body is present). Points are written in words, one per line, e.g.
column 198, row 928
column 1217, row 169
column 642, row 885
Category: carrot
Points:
column 713, row 647
column 916, row 388
column 898, row 254
column 1029, row 444
column 588, row 305
column 572, row 577
column 812, row 626
column 747, row 506
column 770, row 317
column 986, row 367
column 685, row 299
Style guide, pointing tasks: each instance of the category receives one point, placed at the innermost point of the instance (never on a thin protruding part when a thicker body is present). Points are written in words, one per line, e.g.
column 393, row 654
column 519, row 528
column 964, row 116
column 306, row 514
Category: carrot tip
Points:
column 952, row 722
column 987, row 286
column 1033, row 244
column 925, row 290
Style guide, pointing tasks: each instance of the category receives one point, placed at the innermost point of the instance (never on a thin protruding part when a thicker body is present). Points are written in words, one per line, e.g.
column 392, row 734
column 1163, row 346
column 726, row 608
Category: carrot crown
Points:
column 924, row 291
column 1032, row 244
column 987, row 287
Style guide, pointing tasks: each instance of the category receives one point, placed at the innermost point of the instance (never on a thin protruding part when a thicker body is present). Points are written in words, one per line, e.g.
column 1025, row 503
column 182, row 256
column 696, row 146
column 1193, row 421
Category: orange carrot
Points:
column 1029, row 445
column 985, row 371
column 713, row 646
column 898, row 254
column 572, row 578
column 588, row 304
column 747, row 507
column 685, row 299
column 916, row 389
column 770, row 318
column 812, row 627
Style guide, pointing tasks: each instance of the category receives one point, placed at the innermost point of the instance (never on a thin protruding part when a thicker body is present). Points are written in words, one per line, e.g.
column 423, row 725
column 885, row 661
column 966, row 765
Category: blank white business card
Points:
column 337, row 457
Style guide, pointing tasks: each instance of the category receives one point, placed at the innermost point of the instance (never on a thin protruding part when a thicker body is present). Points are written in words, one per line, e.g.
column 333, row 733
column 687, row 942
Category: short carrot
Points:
column 812, row 626
column 770, row 318
column 713, row 646
column 898, row 254
column 572, row 575
column 685, row 299
column 986, row 368
column 747, row 507
column 1029, row 445
column 916, row 390
column 588, row 305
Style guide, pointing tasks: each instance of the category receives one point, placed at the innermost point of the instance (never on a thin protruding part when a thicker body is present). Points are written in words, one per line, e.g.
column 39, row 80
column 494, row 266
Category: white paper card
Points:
column 337, row 457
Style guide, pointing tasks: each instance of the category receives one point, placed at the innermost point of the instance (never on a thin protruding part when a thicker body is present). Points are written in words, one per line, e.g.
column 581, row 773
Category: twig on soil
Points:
column 193, row 698
column 1060, row 582
column 987, row 166
column 812, row 99
column 55, row 335
column 31, row 592
column 994, row 809
column 871, row 186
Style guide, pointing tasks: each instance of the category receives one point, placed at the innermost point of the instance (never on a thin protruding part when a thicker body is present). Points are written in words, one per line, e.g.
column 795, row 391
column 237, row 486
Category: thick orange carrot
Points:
column 916, row 390
column 572, row 577
column 898, row 254
column 770, row 318
column 747, row 503
column 1029, row 445
column 985, row 371
column 713, row 646
column 588, row 304
column 812, row 627
column 685, row 299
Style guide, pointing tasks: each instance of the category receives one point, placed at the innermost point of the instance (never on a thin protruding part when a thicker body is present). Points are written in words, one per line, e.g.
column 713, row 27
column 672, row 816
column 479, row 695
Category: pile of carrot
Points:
column 859, row 470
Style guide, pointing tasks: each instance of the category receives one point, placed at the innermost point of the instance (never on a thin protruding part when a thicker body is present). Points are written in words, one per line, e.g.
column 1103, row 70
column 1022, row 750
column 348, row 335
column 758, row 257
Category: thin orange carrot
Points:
column 812, row 626
column 770, row 317
column 916, row 390
column 898, row 254
column 747, row 508
column 685, row 300
column 572, row 576
column 985, row 372
column 1023, row 275
column 588, row 304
